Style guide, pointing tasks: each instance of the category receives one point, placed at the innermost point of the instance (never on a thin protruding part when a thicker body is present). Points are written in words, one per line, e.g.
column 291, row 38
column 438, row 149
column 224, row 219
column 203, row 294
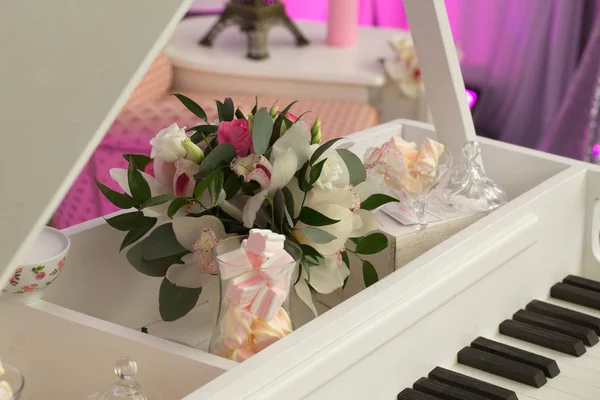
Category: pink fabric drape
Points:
column 522, row 53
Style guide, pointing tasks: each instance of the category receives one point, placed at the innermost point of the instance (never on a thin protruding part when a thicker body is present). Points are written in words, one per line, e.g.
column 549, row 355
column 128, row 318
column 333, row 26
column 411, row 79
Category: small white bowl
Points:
column 40, row 266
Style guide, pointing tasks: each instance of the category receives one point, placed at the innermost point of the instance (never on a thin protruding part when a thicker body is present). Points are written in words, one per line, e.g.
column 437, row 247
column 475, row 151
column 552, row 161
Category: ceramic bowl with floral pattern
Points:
column 40, row 265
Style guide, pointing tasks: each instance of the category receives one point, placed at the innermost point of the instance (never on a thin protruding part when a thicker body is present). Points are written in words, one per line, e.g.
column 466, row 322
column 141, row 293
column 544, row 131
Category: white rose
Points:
column 166, row 145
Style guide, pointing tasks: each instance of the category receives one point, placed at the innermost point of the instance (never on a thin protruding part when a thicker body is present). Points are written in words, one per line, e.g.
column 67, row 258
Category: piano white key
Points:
column 522, row 391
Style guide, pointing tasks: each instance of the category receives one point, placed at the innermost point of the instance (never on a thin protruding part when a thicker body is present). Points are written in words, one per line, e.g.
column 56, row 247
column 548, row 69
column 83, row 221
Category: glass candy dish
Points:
column 126, row 387
column 465, row 189
column 11, row 383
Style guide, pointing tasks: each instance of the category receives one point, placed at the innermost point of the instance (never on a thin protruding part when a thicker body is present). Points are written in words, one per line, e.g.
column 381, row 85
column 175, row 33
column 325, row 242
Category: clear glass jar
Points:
column 12, row 383
column 126, row 387
column 254, row 306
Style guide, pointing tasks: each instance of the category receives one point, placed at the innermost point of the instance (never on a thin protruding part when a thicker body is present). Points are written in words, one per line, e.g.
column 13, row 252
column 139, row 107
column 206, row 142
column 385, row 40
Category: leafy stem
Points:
column 206, row 141
column 355, row 254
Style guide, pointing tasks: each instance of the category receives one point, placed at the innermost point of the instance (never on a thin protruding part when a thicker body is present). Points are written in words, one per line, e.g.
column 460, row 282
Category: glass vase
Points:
column 11, row 383
column 254, row 307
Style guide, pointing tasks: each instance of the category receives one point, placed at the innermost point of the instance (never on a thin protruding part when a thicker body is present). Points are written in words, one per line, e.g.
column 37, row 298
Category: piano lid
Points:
column 68, row 67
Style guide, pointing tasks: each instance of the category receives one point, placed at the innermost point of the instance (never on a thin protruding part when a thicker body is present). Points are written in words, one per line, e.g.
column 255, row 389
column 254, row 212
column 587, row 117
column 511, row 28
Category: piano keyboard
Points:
column 545, row 352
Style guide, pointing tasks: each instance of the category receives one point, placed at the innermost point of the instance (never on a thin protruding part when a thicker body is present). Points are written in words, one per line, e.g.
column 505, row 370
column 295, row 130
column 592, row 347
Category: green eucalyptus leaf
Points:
column 225, row 152
column 345, row 258
column 357, row 171
column 279, row 121
column 311, row 251
column 322, row 149
column 262, row 129
column 369, row 273
column 317, row 235
column 176, row 205
column 345, row 282
column 289, row 200
column 355, row 240
column 136, row 234
column 204, row 128
column 371, row 244
column 220, row 110
column 157, row 200
column 303, row 183
column 161, row 243
column 175, row 302
column 140, row 160
column 239, row 114
column 315, row 171
column 192, row 106
column 250, row 188
column 155, row 268
column 377, row 200
column 228, row 110
column 232, row 186
column 121, row 200
column 140, row 190
column 215, row 186
column 289, row 219
column 203, row 134
column 306, row 267
column 280, row 208
column 202, row 186
column 255, row 108
column 128, row 221
column 312, row 217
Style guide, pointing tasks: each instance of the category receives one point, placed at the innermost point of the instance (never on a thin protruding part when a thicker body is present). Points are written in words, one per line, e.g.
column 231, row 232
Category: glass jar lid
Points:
column 126, row 387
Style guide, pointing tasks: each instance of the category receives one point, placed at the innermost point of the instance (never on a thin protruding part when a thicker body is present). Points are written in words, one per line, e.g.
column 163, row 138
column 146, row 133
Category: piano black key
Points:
column 412, row 394
column 444, row 391
column 549, row 366
column 576, row 295
column 476, row 386
column 502, row 367
column 565, row 314
column 582, row 282
column 587, row 335
column 543, row 337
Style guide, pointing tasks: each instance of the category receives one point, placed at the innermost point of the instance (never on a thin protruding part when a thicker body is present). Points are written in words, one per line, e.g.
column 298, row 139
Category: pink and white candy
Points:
column 236, row 327
column 242, row 289
column 234, row 263
column 267, row 302
column 264, row 242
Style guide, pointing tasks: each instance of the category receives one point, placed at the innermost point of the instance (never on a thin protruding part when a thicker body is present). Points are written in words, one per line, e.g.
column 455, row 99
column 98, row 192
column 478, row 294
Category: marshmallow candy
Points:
column 233, row 263
column 236, row 327
column 267, row 302
column 278, row 269
column 242, row 354
column 242, row 289
column 6, row 392
column 283, row 321
column 264, row 242
column 265, row 333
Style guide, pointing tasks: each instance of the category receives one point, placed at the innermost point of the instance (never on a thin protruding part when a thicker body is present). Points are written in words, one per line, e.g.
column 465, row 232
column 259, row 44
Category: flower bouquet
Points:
column 266, row 169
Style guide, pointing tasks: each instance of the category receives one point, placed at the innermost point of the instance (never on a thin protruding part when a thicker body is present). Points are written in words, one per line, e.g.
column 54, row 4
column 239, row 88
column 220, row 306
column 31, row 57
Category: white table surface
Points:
column 317, row 62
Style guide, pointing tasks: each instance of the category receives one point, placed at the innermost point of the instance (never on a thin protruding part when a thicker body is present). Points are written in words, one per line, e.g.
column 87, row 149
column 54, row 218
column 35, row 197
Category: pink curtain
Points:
column 522, row 53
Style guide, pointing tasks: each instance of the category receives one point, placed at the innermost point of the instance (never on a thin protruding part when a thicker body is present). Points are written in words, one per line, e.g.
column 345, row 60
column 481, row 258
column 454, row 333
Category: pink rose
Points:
column 40, row 276
column 237, row 133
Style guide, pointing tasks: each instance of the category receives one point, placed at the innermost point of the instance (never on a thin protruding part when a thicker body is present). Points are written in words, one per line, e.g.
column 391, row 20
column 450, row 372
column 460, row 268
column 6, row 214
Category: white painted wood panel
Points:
column 68, row 67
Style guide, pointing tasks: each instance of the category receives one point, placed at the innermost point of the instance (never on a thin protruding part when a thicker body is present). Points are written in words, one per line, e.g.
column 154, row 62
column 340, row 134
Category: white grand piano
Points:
column 483, row 315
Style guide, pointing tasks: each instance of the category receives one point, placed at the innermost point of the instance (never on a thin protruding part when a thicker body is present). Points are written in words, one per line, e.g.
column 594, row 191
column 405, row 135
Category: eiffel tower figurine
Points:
column 254, row 17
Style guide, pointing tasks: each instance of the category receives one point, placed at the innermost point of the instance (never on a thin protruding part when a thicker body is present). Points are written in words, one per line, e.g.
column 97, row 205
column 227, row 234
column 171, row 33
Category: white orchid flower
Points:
column 330, row 275
column 198, row 235
column 253, row 168
column 288, row 155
